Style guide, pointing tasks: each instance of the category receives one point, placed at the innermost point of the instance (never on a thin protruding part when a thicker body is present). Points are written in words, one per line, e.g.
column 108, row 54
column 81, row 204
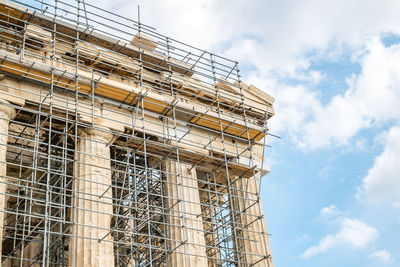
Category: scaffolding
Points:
column 120, row 146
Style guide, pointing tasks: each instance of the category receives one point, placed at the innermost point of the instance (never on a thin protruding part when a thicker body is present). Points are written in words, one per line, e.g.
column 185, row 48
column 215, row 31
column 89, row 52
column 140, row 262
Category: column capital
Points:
column 100, row 133
column 6, row 109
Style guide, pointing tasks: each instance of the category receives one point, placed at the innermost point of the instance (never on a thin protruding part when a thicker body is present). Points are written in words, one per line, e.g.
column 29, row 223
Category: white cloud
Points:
column 372, row 98
column 382, row 183
column 360, row 143
column 328, row 212
column 302, row 238
column 287, row 31
column 353, row 233
column 292, row 113
column 382, row 255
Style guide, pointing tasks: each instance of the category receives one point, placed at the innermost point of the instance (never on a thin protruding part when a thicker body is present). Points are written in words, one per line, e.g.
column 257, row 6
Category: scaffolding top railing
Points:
column 133, row 47
column 92, row 21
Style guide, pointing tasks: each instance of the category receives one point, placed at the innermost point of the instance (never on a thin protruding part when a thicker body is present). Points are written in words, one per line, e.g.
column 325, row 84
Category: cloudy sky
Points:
column 333, row 196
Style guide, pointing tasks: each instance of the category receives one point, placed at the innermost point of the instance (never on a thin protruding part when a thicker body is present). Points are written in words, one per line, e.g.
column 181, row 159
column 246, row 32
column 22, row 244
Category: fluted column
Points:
column 185, row 217
column 91, row 246
column 255, row 242
column 210, row 200
column 7, row 113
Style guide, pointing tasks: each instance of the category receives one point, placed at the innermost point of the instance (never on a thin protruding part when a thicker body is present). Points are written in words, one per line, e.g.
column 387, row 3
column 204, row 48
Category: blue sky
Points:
column 333, row 195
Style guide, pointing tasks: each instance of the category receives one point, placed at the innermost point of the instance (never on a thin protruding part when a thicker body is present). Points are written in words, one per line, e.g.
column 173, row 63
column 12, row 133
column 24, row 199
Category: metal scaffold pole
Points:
column 124, row 147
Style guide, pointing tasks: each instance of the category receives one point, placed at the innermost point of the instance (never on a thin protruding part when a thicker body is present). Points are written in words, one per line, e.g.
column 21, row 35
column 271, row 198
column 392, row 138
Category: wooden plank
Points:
column 108, row 88
column 229, row 127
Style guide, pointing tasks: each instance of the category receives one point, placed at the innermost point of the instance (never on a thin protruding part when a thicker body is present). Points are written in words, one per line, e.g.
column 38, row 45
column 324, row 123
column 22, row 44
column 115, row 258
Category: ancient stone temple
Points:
column 120, row 146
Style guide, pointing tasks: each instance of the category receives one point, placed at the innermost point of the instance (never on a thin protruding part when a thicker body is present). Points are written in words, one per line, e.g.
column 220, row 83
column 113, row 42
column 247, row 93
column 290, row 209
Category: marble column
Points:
column 210, row 201
column 255, row 241
column 185, row 217
column 32, row 250
column 7, row 113
column 93, row 207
